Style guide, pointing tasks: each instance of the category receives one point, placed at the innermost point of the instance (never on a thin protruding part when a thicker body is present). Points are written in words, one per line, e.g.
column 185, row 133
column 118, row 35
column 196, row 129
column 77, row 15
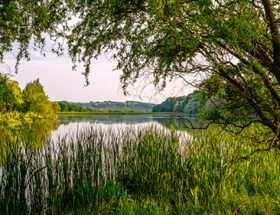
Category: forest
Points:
column 106, row 106
column 190, row 105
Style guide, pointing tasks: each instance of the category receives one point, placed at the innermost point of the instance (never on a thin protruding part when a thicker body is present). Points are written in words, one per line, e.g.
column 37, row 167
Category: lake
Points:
column 73, row 123
column 97, row 161
column 69, row 125
column 100, row 147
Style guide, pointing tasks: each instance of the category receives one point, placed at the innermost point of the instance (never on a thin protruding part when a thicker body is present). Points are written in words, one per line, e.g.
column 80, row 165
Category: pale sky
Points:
column 62, row 83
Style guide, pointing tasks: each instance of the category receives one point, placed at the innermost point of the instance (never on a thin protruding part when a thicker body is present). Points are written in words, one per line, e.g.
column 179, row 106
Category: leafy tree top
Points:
column 26, row 20
column 10, row 94
column 36, row 100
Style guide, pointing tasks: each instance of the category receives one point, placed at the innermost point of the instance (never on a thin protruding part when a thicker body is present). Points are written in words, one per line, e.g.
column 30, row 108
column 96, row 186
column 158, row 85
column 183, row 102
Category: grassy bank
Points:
column 141, row 172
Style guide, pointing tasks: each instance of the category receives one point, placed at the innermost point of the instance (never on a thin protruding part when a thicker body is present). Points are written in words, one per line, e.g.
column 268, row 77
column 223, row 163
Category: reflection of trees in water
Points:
column 107, row 119
column 37, row 134
column 174, row 122
column 166, row 120
column 170, row 122
column 33, row 136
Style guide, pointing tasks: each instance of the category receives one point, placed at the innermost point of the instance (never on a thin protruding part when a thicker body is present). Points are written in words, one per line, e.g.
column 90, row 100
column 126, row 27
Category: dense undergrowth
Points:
column 137, row 171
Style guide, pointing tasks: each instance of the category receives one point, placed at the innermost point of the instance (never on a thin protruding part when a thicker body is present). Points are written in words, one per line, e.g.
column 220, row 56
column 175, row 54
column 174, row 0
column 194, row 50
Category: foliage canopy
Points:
column 23, row 21
column 36, row 100
column 32, row 100
column 10, row 95
column 190, row 105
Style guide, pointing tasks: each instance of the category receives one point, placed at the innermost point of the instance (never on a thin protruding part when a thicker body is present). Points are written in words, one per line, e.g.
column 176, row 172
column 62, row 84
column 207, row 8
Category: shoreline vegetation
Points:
column 106, row 106
column 141, row 172
column 113, row 113
column 190, row 105
column 106, row 113
column 23, row 108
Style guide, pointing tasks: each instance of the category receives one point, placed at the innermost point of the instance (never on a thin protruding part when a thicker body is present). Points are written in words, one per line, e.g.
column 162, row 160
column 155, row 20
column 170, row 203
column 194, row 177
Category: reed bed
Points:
column 140, row 171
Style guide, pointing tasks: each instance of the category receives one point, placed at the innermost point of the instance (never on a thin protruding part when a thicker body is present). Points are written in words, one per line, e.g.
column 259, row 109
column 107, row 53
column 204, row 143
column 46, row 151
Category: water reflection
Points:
column 163, row 120
column 72, row 124
column 107, row 119
column 33, row 136
column 44, row 160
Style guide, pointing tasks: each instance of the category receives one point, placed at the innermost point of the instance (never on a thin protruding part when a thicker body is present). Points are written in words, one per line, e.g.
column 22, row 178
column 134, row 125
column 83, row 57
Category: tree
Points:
column 64, row 106
column 166, row 106
column 22, row 21
column 190, row 105
column 233, row 45
column 11, row 97
column 36, row 100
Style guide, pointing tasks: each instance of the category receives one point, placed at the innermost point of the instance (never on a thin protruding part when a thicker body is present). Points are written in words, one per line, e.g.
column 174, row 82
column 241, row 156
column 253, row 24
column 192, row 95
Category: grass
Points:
column 140, row 172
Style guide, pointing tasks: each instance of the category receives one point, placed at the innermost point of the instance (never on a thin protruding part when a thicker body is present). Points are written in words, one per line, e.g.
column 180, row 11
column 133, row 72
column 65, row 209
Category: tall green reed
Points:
column 140, row 171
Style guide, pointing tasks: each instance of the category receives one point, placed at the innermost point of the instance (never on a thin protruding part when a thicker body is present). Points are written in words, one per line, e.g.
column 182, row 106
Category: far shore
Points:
column 86, row 113
column 106, row 113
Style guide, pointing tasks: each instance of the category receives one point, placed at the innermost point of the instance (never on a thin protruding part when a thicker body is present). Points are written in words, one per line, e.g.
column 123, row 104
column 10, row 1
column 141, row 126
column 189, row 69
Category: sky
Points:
column 61, row 83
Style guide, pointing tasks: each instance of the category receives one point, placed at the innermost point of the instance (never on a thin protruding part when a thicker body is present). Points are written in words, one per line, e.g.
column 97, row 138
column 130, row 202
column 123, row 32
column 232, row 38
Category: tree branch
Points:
column 268, row 7
column 272, row 145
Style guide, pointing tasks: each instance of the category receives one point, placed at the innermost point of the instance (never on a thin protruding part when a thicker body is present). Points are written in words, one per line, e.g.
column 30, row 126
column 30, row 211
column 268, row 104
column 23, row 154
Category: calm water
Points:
column 68, row 126
column 47, row 142
column 54, row 153
column 73, row 123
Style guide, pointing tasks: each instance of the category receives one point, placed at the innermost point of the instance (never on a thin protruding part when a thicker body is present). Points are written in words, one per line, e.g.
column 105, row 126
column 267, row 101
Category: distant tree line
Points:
column 110, row 106
column 196, row 105
column 31, row 99
column 190, row 105
column 71, row 107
